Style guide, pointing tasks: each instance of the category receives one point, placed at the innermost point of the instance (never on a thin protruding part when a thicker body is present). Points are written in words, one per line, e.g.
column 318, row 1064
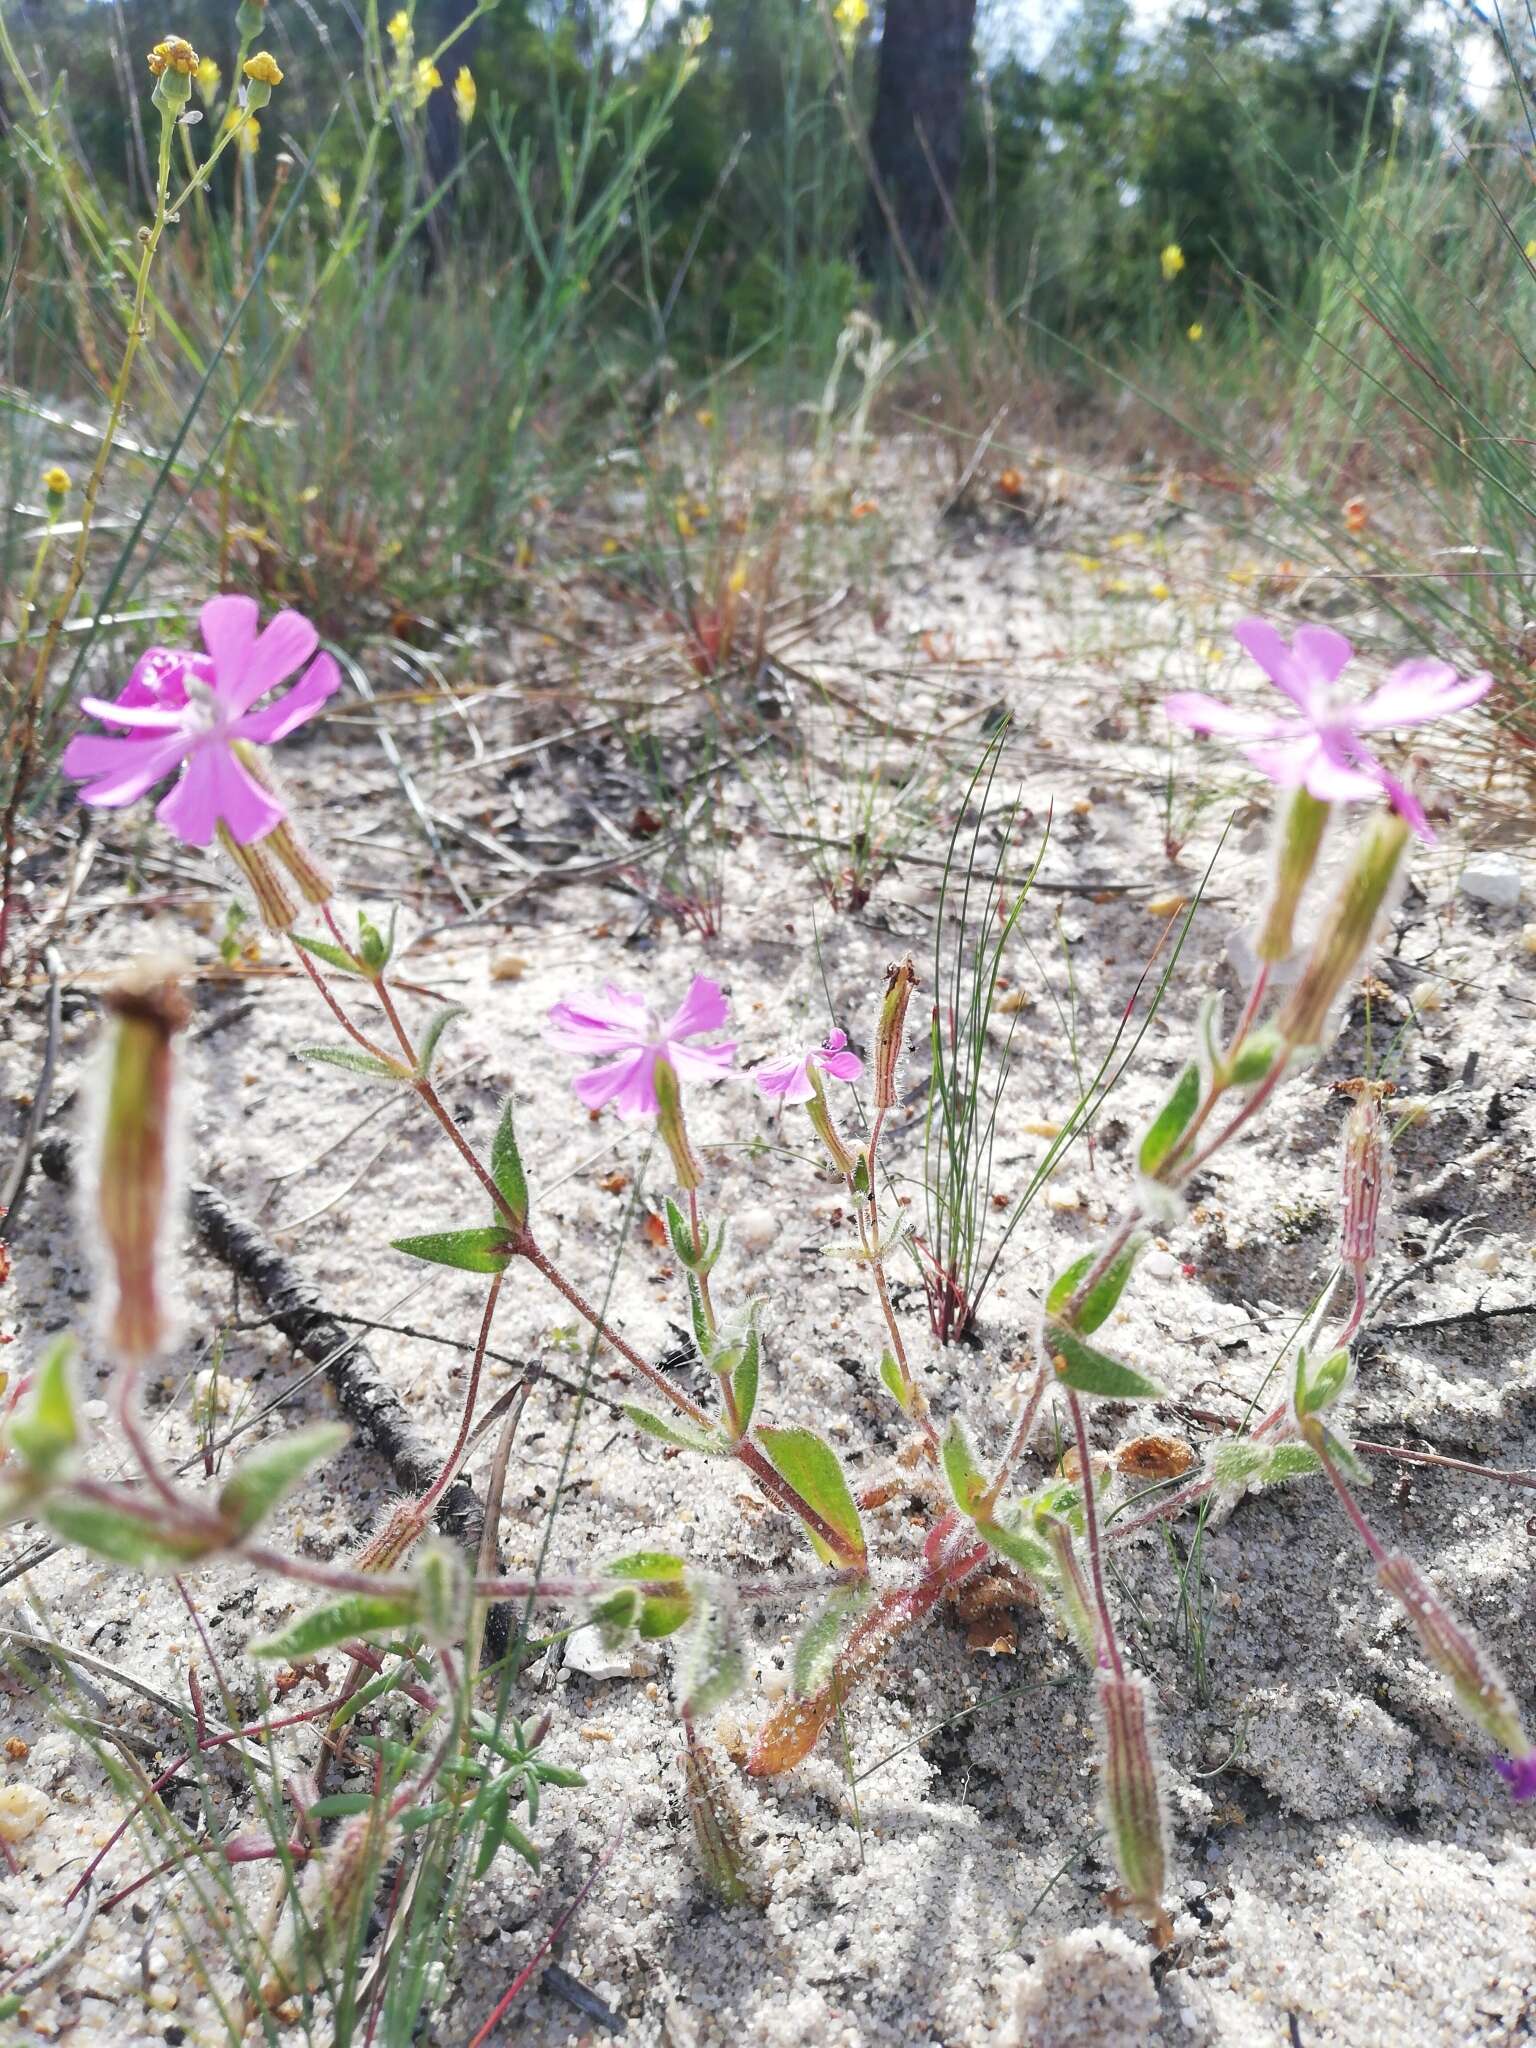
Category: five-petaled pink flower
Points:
column 791, row 1076
column 625, row 1031
column 188, row 711
column 1319, row 746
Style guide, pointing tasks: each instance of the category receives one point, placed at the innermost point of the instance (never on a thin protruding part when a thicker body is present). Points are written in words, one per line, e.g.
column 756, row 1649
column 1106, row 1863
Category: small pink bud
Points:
column 1480, row 1687
column 674, row 1131
column 275, row 907
column 1366, row 1170
column 900, row 981
column 1349, row 925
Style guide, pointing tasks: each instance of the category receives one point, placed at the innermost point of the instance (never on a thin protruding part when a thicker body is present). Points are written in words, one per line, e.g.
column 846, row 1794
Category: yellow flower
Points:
column 1530, row 252
column 1159, row 592
column 428, row 78
column 330, row 192
column 705, row 417
column 696, row 33
column 1172, row 260
column 208, row 79
column 56, row 481
column 263, row 69
column 247, row 129
column 464, row 94
column 398, row 28
column 1195, row 330
column 850, row 16
column 174, row 54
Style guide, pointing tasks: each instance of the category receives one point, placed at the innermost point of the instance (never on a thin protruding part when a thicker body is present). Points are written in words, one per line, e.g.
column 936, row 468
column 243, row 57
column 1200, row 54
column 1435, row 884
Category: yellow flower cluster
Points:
column 1172, row 260
column 176, row 54
column 56, row 481
column 263, row 69
column 464, row 94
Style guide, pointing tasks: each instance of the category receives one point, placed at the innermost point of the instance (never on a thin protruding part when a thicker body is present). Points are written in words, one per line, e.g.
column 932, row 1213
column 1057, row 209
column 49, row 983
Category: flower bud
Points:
column 314, row 882
column 1347, row 930
column 1133, row 1803
column 278, row 911
column 135, row 1176
column 674, row 1132
column 56, row 484
column 465, row 95
column 899, row 984
column 327, row 1919
column 1480, row 1687
column 262, row 72
column 1366, row 1171
column 1071, row 1589
column 442, row 1583
column 399, row 1531
column 1296, row 850
column 820, row 1114
column 250, row 19
column 173, row 66
column 717, row 1830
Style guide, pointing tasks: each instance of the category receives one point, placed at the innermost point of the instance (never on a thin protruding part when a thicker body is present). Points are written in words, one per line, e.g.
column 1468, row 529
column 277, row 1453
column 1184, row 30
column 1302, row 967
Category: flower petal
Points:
column 320, row 680
column 119, row 771
column 701, row 1062
column 215, row 790
column 229, row 633
column 704, row 1008
column 136, row 717
column 628, row 1083
column 842, row 1066
column 1320, row 654
column 159, row 677
column 612, row 1020
column 280, row 652
column 787, row 1077
column 1208, row 714
column 1287, row 763
column 1417, row 691
column 1258, row 638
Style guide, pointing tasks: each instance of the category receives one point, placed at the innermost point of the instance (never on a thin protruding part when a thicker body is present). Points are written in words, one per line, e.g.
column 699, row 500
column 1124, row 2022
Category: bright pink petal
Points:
column 159, row 677
column 1320, row 654
column 229, row 632
column 320, row 680
column 1417, row 691
column 119, row 771
column 1259, row 638
column 1288, row 762
column 1341, row 770
column 1208, row 714
column 628, row 1083
column 702, row 1062
column 1407, row 806
column 704, row 1008
column 787, row 1077
column 842, row 1066
column 215, row 790
column 281, row 651
column 610, row 1021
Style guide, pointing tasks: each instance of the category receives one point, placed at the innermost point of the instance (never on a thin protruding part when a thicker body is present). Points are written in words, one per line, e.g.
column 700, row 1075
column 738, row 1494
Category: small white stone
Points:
column 585, row 1655
column 754, row 1229
column 1160, row 1265
column 94, row 1411
column 1490, row 878
column 1427, row 996
column 1528, row 938
column 23, row 1809
column 1488, row 1260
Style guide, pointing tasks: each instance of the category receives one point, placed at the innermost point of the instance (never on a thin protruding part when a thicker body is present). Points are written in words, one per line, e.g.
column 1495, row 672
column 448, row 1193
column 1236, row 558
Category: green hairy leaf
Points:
column 472, row 1251
column 1291, row 1461
column 375, row 948
column 744, row 1378
column 1318, row 1387
column 1104, row 1296
column 1254, row 1059
column 676, row 1430
column 966, row 1479
column 333, row 956
column 1024, row 1551
column 45, row 1429
column 891, row 1380
column 810, row 1465
column 337, row 1621
column 1088, row 1371
column 816, row 1651
column 432, row 1037
column 354, row 1062
column 655, row 1614
column 264, row 1475
column 1171, row 1120
column 120, row 1538
column 507, row 1165
column 709, row 1662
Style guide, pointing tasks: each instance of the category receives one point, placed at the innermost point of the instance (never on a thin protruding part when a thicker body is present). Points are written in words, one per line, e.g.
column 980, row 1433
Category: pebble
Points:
column 508, row 967
column 1488, row 878
column 1160, row 1265
column 755, row 1229
column 23, row 1809
column 1528, row 938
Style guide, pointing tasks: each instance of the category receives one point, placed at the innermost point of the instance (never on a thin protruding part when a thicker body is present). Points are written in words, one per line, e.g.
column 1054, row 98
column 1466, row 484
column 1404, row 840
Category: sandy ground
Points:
column 1346, row 1869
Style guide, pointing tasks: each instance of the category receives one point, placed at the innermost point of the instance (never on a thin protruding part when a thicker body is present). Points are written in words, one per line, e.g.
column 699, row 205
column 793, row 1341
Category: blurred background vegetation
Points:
column 1279, row 242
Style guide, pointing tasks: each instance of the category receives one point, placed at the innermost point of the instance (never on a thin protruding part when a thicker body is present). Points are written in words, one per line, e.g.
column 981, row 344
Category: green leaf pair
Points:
column 483, row 1248
column 1103, row 1297
column 808, row 1463
column 700, row 1258
column 1087, row 1370
column 649, row 1612
column 968, row 1485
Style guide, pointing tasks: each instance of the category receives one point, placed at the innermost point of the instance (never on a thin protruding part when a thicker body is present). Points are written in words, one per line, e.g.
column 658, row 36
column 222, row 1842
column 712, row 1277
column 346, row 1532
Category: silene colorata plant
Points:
column 994, row 1498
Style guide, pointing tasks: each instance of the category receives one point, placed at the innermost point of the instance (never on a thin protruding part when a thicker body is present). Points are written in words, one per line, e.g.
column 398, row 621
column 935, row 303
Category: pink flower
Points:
column 1519, row 1774
column 187, row 711
column 625, row 1031
column 791, row 1076
column 1319, row 747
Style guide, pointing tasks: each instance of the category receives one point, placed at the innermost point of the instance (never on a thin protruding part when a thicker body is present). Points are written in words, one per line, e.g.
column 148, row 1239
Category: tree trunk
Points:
column 916, row 138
